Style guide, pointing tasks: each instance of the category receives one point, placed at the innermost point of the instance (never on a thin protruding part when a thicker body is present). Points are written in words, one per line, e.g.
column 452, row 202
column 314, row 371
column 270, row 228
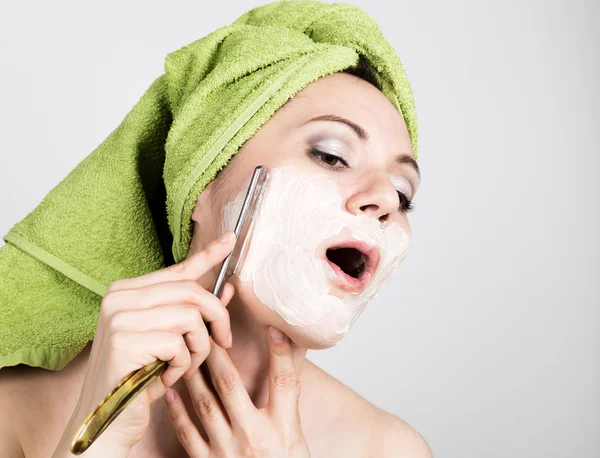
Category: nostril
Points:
column 375, row 208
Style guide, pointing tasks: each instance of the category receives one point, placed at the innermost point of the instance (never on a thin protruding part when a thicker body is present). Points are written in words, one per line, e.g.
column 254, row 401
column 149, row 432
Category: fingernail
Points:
column 230, row 339
column 225, row 237
column 169, row 396
column 276, row 335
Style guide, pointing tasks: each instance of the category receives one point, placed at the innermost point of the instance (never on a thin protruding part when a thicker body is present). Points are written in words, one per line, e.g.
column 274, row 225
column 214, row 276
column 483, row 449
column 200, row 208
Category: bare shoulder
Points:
column 395, row 438
column 39, row 403
column 380, row 433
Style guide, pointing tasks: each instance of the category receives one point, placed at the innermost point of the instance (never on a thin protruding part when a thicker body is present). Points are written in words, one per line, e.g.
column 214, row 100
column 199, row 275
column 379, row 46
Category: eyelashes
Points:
column 405, row 203
column 324, row 158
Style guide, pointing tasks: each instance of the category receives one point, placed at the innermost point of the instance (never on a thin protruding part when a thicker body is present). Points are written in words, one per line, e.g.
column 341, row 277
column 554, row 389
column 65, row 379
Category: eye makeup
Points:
column 322, row 146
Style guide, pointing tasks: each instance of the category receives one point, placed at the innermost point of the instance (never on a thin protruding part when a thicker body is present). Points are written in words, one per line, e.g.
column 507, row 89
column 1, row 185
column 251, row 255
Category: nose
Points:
column 377, row 198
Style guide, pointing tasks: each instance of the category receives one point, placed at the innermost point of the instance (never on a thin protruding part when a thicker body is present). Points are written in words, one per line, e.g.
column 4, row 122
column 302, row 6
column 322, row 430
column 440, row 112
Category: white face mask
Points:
column 300, row 211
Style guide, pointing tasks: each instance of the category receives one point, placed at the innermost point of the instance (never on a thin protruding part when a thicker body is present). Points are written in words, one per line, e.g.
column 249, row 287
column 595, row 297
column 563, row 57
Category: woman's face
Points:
column 365, row 194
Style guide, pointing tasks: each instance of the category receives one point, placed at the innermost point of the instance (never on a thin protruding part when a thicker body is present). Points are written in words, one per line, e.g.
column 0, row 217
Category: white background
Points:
column 487, row 342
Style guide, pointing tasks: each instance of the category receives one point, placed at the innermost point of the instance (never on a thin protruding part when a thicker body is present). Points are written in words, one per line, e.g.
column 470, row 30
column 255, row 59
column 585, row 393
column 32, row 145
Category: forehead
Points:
column 356, row 99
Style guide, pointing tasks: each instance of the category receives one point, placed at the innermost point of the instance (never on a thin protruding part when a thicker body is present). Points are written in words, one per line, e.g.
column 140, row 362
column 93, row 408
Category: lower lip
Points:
column 350, row 283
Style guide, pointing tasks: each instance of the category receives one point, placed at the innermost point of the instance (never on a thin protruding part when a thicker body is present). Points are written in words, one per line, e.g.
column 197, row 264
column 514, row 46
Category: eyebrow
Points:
column 364, row 136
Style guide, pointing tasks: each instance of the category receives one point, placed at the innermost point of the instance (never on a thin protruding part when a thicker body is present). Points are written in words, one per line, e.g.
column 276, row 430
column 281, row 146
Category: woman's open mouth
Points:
column 354, row 263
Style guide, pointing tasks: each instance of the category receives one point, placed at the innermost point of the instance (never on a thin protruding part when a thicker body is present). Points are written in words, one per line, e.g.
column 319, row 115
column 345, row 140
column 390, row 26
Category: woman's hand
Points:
column 159, row 315
column 242, row 430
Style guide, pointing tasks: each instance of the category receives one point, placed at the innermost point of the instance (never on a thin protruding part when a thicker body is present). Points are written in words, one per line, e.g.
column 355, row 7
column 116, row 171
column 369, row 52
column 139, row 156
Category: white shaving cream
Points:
column 299, row 211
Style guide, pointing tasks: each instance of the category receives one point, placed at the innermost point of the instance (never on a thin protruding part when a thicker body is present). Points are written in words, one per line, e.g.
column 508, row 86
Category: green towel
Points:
column 125, row 210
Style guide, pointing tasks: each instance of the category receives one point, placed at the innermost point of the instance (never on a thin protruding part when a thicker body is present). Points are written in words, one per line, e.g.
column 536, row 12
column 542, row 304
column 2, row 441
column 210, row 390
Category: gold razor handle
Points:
column 120, row 397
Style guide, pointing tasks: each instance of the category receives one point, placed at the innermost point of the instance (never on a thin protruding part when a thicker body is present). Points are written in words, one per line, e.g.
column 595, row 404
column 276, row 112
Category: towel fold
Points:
column 125, row 210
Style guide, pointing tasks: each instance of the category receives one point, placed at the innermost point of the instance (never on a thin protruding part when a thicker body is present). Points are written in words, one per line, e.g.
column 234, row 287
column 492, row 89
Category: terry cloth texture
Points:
column 125, row 210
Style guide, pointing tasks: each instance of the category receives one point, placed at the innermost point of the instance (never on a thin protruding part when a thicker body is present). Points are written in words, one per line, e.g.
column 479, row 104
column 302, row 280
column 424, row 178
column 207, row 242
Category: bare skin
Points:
column 336, row 421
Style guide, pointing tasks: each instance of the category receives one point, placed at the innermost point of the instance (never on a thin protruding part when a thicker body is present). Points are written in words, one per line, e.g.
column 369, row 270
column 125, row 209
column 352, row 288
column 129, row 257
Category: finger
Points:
column 191, row 268
column 198, row 357
column 228, row 291
column 182, row 318
column 230, row 388
column 209, row 410
column 162, row 345
column 185, row 319
column 211, row 308
column 283, row 379
column 186, row 431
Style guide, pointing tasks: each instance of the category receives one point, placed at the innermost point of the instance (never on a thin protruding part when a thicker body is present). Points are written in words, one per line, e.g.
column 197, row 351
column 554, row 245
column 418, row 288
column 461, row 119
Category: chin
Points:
column 307, row 337
column 314, row 337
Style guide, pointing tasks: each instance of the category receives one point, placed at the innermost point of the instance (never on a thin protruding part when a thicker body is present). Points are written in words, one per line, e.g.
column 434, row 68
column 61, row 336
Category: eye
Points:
column 405, row 203
column 327, row 159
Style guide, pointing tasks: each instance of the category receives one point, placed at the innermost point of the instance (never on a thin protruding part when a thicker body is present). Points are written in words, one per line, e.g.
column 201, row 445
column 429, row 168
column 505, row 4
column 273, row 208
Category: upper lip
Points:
column 372, row 262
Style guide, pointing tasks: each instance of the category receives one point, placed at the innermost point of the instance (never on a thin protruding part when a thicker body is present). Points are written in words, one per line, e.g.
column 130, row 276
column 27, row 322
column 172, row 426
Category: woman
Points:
column 245, row 400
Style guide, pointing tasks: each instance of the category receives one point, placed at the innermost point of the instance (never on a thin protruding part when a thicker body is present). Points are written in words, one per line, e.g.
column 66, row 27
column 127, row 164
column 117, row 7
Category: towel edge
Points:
column 54, row 359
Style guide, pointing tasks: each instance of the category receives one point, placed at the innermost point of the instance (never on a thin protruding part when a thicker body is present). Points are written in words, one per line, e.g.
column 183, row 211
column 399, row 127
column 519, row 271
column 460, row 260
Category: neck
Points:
column 250, row 353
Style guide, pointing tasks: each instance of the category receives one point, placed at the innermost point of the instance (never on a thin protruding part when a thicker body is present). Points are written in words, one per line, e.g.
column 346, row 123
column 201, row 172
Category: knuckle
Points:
column 193, row 316
column 107, row 306
column 226, row 382
column 185, row 435
column 211, row 248
column 286, row 381
column 198, row 320
column 247, row 448
column 115, row 286
column 174, row 343
column 179, row 267
column 296, row 439
column 186, row 309
column 202, row 351
column 114, row 321
column 213, row 251
column 115, row 342
column 179, row 343
column 204, row 406
column 254, row 447
column 193, row 291
column 140, row 295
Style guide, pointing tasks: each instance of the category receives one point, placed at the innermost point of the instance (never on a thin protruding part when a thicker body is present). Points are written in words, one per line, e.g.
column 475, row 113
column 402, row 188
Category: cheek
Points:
column 261, row 313
column 244, row 292
column 404, row 224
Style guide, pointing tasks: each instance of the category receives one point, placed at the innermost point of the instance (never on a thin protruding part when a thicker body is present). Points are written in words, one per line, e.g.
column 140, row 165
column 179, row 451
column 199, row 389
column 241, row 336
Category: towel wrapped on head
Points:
column 125, row 210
